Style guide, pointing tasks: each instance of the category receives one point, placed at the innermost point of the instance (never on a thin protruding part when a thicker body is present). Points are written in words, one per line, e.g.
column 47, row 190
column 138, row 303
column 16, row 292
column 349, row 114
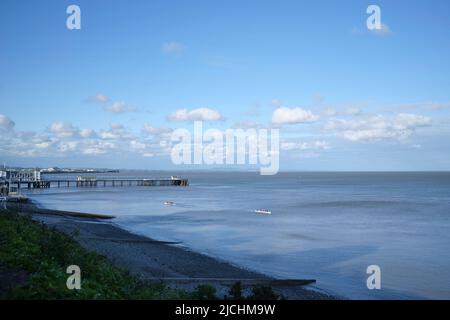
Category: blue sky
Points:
column 103, row 96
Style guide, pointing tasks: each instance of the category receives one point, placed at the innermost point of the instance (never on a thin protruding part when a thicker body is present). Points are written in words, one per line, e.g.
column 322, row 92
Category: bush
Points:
column 236, row 291
column 205, row 292
column 263, row 293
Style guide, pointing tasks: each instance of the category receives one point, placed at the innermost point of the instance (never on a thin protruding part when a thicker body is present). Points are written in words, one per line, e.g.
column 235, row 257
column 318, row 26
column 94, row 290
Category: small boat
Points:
column 263, row 211
column 169, row 203
column 174, row 178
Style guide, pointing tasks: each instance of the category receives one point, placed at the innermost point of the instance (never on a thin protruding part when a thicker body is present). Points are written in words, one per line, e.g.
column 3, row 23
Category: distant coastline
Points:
column 79, row 171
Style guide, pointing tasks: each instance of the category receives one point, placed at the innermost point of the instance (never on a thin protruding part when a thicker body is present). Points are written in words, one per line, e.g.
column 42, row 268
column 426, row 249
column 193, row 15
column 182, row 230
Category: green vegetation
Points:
column 259, row 292
column 45, row 254
column 205, row 292
column 263, row 293
column 236, row 291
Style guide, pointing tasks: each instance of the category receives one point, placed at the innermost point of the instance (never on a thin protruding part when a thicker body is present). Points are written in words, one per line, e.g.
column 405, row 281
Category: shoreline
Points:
column 162, row 261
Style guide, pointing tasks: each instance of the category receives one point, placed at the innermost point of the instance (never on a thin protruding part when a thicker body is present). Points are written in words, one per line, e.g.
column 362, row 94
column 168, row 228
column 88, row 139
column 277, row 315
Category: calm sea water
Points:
column 326, row 226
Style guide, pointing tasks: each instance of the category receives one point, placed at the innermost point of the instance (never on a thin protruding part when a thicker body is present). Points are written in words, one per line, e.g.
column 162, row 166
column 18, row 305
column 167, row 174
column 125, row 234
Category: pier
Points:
column 92, row 182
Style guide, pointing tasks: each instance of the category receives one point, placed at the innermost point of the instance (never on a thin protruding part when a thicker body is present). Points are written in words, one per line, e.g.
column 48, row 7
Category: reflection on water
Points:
column 327, row 226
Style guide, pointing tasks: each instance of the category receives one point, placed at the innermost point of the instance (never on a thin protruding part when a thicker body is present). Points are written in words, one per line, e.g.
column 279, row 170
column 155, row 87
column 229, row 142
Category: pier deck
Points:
column 66, row 183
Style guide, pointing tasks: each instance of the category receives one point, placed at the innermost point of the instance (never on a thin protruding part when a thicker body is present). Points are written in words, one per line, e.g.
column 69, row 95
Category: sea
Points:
column 328, row 226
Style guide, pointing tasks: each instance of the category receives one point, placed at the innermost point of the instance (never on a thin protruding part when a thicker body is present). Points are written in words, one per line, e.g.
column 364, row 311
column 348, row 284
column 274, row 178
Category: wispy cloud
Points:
column 379, row 127
column 99, row 98
column 284, row 115
column 111, row 106
column 425, row 106
column 150, row 130
column 314, row 145
column 6, row 123
column 349, row 111
column 118, row 107
column 200, row 114
column 173, row 47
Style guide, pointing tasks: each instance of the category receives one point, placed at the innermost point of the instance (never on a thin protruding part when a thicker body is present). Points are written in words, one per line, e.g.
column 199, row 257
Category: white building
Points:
column 24, row 174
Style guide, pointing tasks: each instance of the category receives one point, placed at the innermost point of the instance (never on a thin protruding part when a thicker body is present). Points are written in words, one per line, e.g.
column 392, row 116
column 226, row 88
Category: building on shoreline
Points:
column 20, row 174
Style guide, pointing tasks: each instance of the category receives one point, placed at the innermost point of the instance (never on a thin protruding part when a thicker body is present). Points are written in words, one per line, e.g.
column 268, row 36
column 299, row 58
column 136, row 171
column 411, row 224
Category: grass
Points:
column 45, row 254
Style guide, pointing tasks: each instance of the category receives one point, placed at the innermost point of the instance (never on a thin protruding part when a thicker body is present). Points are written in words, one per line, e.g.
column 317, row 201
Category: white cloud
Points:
column 117, row 131
column 68, row 146
column 285, row 115
column 148, row 155
column 118, row 107
column 87, row 133
column 341, row 111
column 408, row 120
column 93, row 151
column 63, row 129
column 40, row 141
column 200, row 114
column 117, row 126
column 98, row 98
column 400, row 127
column 6, row 123
column 329, row 112
column 353, row 111
column 111, row 106
column 172, row 47
column 136, row 145
column 108, row 135
column 43, row 145
column 97, row 147
column 65, row 139
column 154, row 131
column 315, row 145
